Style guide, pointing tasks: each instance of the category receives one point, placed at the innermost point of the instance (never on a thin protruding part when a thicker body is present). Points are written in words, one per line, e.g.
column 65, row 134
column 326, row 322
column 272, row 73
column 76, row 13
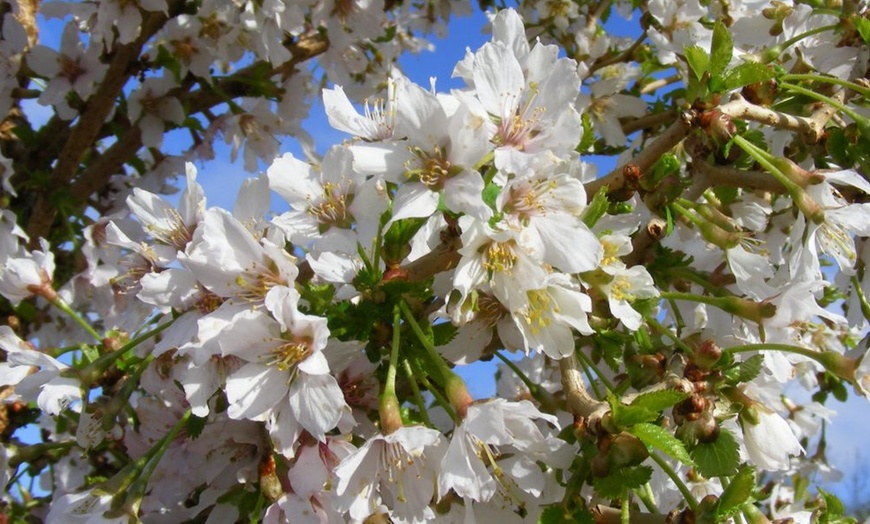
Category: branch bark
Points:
column 83, row 135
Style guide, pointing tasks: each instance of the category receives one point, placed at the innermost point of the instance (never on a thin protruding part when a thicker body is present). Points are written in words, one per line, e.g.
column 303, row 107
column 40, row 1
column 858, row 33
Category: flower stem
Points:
column 863, row 123
column 540, row 394
column 415, row 390
column 840, row 365
column 78, row 319
column 588, row 362
column 829, row 79
column 669, row 471
column 388, row 408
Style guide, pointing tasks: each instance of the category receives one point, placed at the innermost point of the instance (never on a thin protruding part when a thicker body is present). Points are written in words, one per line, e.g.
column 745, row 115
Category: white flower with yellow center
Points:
column 627, row 286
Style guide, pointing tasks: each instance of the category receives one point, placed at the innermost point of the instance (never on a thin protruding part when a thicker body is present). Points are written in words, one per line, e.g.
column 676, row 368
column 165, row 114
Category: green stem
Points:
column 434, row 356
column 840, row 365
column 588, row 362
column 390, row 385
column 646, row 496
column 829, row 79
column 439, row 398
column 418, row 395
column 94, row 370
column 537, row 392
column 765, row 159
column 624, row 515
column 78, row 319
column 797, row 38
column 669, row 471
column 862, row 122
column 388, row 406
column 667, row 332
column 862, row 299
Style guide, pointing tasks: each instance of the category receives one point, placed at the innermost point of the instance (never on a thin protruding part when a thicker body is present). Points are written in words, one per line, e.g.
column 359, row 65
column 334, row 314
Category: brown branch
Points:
column 83, row 135
column 648, row 121
column 648, row 156
column 608, row 515
column 111, row 161
column 740, row 108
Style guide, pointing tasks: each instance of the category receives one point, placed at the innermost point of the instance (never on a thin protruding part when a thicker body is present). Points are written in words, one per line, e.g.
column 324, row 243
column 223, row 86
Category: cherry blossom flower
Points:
column 74, row 68
column 398, row 470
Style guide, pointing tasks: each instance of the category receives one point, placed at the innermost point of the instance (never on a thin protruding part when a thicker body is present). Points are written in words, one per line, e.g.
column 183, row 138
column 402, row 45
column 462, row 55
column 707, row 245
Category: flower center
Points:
column 286, row 356
column 434, row 168
column 332, row 208
column 499, row 257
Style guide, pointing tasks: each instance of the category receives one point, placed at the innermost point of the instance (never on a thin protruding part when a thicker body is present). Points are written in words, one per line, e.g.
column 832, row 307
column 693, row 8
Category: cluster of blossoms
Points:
column 210, row 365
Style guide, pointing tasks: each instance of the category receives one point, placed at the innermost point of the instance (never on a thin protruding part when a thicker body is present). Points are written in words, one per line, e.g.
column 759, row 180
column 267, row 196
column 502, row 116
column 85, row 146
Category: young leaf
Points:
column 660, row 438
column 659, row 400
column 698, row 60
column 750, row 368
column 721, row 49
column 627, row 416
column 745, row 74
column 736, row 494
column 718, row 458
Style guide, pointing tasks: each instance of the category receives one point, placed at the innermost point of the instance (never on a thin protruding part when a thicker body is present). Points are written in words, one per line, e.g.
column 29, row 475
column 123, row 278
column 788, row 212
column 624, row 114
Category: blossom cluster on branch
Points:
column 187, row 363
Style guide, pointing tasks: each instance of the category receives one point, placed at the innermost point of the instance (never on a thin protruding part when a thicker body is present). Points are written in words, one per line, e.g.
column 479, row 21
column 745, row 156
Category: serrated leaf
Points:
column 194, row 426
column 698, row 60
column 721, row 49
column 613, row 486
column 833, row 506
column 558, row 514
column 659, row 400
column 745, row 74
column 444, row 333
column 718, row 458
column 596, row 208
column 628, row 416
column 750, row 368
column 661, row 439
column 736, row 494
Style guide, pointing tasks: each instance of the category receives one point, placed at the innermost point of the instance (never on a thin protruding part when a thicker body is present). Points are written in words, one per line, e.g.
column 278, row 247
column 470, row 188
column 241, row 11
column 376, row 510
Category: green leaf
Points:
column 736, row 494
column 660, row 438
column 698, row 60
column 721, row 49
column 490, row 194
column 863, row 27
column 659, row 400
column 750, row 368
column 614, row 485
column 718, row 458
column 627, row 416
column 597, row 207
column 558, row 514
column 745, row 74
column 588, row 139
column 194, row 426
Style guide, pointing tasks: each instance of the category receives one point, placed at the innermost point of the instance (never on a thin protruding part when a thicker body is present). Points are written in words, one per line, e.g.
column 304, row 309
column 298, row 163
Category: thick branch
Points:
column 580, row 403
column 82, row 137
column 238, row 84
column 740, row 108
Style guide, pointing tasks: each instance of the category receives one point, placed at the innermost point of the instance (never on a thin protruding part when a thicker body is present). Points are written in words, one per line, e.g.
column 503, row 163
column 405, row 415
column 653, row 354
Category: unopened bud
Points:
column 627, row 450
column 707, row 355
column 270, row 484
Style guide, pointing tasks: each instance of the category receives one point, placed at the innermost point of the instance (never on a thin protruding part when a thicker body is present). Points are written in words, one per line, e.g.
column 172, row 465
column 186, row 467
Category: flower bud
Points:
column 707, row 355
